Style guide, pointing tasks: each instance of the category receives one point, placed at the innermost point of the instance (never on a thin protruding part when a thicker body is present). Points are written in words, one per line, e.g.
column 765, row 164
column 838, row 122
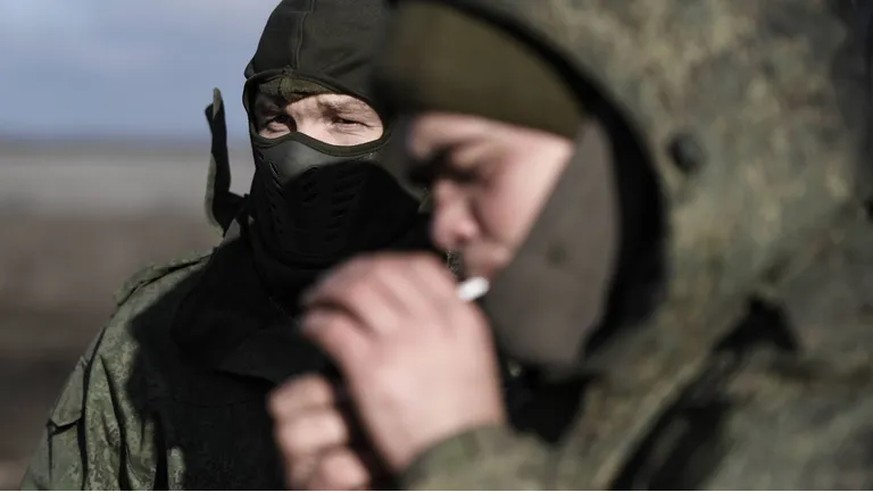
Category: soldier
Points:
column 663, row 197
column 172, row 392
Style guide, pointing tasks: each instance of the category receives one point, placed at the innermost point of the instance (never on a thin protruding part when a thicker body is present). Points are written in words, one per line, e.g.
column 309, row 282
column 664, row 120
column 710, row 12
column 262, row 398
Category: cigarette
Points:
column 473, row 288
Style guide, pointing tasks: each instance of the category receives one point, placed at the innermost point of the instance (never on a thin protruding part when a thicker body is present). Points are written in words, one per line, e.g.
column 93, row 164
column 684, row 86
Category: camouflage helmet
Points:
column 751, row 115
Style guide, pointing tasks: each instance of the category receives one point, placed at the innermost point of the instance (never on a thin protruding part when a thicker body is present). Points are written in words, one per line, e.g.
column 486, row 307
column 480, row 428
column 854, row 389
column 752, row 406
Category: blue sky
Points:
column 110, row 68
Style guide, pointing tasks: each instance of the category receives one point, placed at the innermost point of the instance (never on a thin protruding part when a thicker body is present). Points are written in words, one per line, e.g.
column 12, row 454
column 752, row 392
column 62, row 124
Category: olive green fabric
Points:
column 750, row 365
column 139, row 412
column 473, row 68
column 763, row 413
column 290, row 88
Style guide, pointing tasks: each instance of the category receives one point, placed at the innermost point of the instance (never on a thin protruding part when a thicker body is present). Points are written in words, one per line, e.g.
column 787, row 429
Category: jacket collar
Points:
column 229, row 323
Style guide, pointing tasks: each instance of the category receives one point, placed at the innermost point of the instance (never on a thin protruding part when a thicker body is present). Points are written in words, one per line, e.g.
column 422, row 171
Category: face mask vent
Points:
column 309, row 187
column 316, row 206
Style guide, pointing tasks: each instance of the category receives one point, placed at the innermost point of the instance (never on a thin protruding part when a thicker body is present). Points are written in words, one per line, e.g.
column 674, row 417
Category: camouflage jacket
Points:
column 784, row 402
column 172, row 392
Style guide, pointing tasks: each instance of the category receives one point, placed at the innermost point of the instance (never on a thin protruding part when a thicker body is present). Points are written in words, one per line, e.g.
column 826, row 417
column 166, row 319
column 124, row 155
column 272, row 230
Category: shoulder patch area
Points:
column 154, row 272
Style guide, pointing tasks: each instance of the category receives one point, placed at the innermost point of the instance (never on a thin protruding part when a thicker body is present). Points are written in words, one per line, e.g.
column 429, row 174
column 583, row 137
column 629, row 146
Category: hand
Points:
column 419, row 363
column 315, row 437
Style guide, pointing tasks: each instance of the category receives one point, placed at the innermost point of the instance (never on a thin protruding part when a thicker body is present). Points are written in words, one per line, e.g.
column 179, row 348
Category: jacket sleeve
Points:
column 483, row 458
column 100, row 435
column 94, row 439
column 59, row 462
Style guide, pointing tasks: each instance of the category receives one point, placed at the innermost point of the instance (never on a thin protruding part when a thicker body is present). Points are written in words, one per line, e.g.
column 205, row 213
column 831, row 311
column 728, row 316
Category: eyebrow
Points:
column 423, row 170
column 445, row 148
column 343, row 105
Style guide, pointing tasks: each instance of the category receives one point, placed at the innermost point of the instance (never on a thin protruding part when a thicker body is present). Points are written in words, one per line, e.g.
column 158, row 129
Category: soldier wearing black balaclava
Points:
column 172, row 392
column 314, row 203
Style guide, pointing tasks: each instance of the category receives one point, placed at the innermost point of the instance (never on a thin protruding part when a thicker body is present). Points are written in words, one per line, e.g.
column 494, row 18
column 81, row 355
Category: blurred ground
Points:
column 75, row 222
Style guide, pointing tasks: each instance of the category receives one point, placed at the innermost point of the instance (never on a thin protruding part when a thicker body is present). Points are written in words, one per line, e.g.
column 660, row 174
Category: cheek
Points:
column 512, row 201
column 504, row 212
column 354, row 135
column 498, row 215
column 318, row 130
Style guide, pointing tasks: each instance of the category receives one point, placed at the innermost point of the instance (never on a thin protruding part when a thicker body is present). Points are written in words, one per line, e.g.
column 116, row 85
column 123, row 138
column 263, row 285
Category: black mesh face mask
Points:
column 316, row 203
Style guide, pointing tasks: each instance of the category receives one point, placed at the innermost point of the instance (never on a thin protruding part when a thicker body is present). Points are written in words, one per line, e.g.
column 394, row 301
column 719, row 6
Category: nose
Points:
column 453, row 224
column 314, row 128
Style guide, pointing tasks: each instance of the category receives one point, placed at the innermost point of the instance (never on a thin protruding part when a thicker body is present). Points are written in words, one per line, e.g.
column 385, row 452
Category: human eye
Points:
column 439, row 164
column 345, row 122
column 281, row 119
column 276, row 125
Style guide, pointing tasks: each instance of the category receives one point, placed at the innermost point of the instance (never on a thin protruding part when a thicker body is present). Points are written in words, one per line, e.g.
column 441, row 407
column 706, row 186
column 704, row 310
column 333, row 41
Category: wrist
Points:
column 456, row 451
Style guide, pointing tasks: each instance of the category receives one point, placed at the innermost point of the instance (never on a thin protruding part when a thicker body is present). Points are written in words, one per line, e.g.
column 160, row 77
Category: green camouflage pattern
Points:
column 142, row 411
column 758, row 416
column 754, row 371
column 172, row 393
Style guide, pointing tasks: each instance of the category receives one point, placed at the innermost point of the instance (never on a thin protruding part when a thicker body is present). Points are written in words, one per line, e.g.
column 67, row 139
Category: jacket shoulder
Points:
column 139, row 329
column 155, row 272
column 147, row 292
column 799, row 424
column 769, row 421
column 102, row 408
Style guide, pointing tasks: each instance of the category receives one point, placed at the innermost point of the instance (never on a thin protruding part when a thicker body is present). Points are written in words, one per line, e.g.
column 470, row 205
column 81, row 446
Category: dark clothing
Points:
column 785, row 401
column 735, row 347
column 172, row 393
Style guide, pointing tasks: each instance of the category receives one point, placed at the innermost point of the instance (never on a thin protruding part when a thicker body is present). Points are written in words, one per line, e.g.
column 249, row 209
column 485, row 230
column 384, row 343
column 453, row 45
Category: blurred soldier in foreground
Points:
column 662, row 194
column 172, row 393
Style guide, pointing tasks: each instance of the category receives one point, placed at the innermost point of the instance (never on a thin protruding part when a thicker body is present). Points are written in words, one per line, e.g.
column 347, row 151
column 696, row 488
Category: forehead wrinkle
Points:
column 342, row 103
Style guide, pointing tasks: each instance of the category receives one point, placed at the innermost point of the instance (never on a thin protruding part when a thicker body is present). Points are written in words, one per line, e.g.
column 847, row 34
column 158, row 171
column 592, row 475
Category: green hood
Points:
column 736, row 135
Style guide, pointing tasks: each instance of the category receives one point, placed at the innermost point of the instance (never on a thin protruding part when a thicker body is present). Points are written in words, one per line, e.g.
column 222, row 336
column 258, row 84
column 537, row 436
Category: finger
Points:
column 342, row 338
column 433, row 276
column 312, row 432
column 441, row 290
column 301, row 474
column 341, row 275
column 403, row 293
column 340, row 469
column 423, row 287
column 391, row 294
column 298, row 394
column 299, row 471
column 365, row 296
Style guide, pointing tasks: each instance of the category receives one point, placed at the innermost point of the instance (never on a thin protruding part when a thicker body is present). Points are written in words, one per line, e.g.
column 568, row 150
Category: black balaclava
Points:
column 314, row 204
